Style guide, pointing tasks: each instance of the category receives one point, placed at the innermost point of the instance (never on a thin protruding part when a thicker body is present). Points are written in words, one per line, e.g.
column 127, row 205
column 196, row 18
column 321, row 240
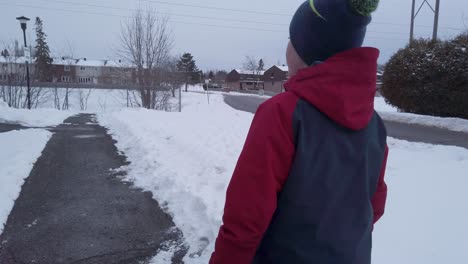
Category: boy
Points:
column 309, row 184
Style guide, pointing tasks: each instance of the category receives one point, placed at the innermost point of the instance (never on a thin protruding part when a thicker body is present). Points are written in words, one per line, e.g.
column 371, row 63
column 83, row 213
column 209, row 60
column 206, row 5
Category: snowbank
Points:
column 34, row 117
column 187, row 159
column 19, row 150
column 390, row 113
column 454, row 124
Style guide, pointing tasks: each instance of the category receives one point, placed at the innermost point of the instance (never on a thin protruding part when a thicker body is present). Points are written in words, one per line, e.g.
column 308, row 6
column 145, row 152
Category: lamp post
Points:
column 23, row 21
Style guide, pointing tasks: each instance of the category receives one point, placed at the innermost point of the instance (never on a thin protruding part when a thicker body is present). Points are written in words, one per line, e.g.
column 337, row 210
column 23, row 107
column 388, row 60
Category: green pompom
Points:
column 364, row 7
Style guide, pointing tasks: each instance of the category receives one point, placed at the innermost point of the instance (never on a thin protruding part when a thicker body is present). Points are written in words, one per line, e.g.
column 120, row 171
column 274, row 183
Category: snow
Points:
column 390, row 113
column 426, row 215
column 18, row 152
column 282, row 68
column 382, row 107
column 19, row 60
column 186, row 160
column 73, row 62
column 453, row 124
column 243, row 71
column 32, row 118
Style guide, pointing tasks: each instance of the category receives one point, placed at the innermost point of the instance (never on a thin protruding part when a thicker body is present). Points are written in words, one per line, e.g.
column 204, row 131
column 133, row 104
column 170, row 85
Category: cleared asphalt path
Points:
column 5, row 127
column 414, row 133
column 73, row 208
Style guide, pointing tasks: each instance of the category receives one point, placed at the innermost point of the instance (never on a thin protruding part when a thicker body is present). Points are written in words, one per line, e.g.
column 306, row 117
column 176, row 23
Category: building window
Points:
column 66, row 79
column 85, row 80
column 82, row 68
column 67, row 68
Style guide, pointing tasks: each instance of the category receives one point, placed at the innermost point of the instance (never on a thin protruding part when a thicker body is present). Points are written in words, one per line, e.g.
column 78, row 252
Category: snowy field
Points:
column 18, row 152
column 186, row 160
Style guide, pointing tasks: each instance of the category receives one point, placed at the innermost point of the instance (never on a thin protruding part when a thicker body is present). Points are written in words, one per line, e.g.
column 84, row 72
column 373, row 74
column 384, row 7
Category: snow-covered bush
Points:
column 429, row 78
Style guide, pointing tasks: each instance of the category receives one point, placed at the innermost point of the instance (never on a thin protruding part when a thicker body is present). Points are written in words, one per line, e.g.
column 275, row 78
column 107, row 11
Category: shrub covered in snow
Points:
column 429, row 78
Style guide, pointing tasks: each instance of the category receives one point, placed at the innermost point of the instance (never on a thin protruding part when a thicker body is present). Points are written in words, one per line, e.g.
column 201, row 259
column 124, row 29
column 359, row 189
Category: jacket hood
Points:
column 343, row 87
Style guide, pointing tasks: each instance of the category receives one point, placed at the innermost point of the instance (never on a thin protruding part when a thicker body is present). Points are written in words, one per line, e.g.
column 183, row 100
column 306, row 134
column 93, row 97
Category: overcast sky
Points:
column 217, row 36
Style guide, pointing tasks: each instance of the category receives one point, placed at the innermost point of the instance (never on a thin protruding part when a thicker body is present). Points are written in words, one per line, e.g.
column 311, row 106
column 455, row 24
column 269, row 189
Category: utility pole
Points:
column 414, row 15
column 412, row 22
column 436, row 20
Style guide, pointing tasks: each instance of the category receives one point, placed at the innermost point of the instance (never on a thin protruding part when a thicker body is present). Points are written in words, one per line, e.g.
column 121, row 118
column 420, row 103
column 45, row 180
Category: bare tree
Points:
column 62, row 95
column 146, row 42
column 250, row 64
column 83, row 97
column 13, row 79
column 254, row 66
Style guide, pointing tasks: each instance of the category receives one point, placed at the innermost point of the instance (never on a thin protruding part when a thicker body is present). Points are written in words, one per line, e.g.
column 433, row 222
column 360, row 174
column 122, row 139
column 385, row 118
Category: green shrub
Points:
column 429, row 78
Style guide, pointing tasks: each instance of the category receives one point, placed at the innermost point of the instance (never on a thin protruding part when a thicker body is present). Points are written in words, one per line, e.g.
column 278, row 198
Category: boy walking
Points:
column 309, row 184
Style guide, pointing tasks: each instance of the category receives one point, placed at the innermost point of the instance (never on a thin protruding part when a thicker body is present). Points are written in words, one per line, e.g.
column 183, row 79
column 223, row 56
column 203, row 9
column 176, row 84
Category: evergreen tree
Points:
column 211, row 75
column 188, row 67
column 261, row 65
column 5, row 53
column 43, row 60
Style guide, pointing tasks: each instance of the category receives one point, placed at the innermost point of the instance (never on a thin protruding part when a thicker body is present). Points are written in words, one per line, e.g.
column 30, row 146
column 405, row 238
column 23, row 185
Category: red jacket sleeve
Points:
column 261, row 170
column 380, row 197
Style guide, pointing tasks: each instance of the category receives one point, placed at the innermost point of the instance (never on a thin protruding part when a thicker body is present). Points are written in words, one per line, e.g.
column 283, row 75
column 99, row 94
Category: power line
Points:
column 192, row 16
column 173, row 21
column 225, row 9
column 217, row 8
column 123, row 16
column 172, row 14
column 267, row 13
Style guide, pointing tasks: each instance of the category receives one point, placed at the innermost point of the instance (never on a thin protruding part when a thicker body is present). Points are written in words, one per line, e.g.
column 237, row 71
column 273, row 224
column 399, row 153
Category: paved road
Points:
column 5, row 127
column 414, row 133
column 74, row 209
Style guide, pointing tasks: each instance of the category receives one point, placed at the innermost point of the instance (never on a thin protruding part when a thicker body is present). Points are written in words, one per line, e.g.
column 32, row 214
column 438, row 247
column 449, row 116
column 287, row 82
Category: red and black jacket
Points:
column 309, row 183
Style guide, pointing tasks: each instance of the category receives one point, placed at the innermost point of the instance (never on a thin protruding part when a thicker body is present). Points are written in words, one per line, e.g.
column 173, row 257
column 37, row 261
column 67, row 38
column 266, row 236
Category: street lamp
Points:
column 23, row 21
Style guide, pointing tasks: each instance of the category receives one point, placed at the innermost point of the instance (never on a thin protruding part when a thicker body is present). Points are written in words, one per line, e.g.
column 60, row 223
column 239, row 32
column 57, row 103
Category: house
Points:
column 244, row 80
column 69, row 70
column 274, row 78
column 13, row 69
column 63, row 70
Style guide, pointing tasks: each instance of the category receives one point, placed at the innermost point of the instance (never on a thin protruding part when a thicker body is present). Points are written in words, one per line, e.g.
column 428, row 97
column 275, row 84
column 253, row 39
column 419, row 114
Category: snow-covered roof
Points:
column 64, row 61
column 89, row 63
column 12, row 59
column 242, row 71
column 73, row 62
column 283, row 68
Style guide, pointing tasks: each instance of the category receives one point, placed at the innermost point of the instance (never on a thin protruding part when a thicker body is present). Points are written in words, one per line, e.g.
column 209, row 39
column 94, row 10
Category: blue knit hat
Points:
column 323, row 28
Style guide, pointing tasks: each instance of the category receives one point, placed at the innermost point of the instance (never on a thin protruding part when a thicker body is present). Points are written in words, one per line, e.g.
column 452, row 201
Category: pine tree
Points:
column 43, row 60
column 211, row 75
column 5, row 53
column 261, row 65
column 187, row 65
